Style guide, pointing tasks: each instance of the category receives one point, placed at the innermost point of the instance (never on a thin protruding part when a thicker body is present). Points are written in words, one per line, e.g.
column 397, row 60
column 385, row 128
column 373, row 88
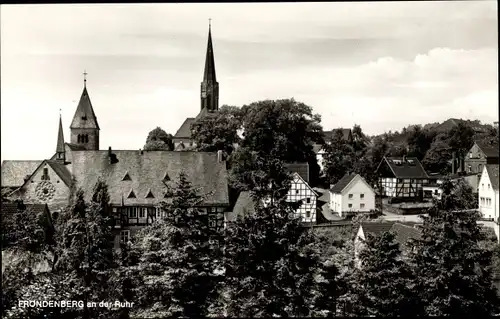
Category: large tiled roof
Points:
column 84, row 116
column 14, row 172
column 147, row 171
column 245, row 205
column 75, row 147
column 492, row 170
column 300, row 168
column 185, row 130
column 13, row 208
column 409, row 168
column 376, row 228
column 330, row 134
column 488, row 149
column 62, row 171
column 342, row 183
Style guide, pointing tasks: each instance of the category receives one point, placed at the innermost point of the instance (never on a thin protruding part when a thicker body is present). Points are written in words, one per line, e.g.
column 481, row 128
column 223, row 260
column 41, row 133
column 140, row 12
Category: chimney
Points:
column 109, row 151
column 220, row 157
column 112, row 157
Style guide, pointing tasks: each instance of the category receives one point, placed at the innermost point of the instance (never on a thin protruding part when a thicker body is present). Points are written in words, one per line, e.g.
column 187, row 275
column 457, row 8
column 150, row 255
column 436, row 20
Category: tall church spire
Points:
column 209, row 86
column 84, row 127
column 60, row 152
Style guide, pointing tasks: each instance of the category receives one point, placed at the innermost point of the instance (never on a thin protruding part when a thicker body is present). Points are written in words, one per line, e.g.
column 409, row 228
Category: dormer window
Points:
column 131, row 195
column 150, row 195
column 126, row 177
column 166, row 178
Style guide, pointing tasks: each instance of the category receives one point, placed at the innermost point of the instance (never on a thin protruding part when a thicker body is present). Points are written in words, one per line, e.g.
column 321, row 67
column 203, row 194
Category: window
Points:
column 132, row 212
column 350, row 196
column 158, row 212
column 482, row 201
column 361, row 196
column 488, row 186
column 350, row 205
column 308, row 214
column 296, row 191
column 362, row 206
column 143, row 212
column 124, row 236
column 469, row 168
column 308, row 200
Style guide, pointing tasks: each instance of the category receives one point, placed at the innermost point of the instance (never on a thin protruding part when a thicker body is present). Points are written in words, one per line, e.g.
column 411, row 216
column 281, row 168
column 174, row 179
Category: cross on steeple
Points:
column 85, row 77
column 209, row 22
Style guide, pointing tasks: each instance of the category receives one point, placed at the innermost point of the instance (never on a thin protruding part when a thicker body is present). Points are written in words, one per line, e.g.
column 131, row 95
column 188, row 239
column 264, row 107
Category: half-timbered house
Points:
column 401, row 178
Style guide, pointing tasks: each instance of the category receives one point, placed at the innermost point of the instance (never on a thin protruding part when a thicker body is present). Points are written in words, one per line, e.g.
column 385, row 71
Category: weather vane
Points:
column 85, row 77
column 209, row 22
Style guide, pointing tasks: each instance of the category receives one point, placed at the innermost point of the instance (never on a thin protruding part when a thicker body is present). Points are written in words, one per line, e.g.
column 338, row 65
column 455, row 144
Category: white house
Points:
column 352, row 194
column 488, row 192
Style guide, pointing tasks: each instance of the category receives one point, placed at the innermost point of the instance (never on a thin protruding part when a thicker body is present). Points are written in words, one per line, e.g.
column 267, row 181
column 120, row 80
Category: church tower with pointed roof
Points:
column 84, row 127
column 209, row 86
column 60, row 150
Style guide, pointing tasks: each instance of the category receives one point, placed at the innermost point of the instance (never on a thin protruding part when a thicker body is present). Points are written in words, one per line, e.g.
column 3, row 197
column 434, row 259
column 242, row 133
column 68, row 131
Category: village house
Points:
column 137, row 180
column 480, row 154
column 352, row 194
column 488, row 193
column 433, row 187
column 401, row 178
column 299, row 191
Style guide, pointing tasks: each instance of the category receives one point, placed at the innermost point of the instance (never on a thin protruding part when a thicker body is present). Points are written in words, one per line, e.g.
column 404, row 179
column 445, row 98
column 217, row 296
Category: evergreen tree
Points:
column 384, row 282
column 270, row 259
column 451, row 264
column 339, row 157
column 177, row 257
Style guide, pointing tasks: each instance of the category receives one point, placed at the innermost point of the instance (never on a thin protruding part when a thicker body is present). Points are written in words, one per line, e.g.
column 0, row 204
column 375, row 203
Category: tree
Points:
column 159, row 140
column 269, row 257
column 451, row 266
column 384, row 282
column 438, row 156
column 284, row 129
column 86, row 252
column 178, row 257
column 461, row 138
column 217, row 131
column 339, row 157
column 419, row 141
column 359, row 141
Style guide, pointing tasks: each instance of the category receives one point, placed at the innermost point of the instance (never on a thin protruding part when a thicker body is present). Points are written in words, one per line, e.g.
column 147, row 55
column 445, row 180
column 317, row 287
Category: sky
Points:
column 382, row 65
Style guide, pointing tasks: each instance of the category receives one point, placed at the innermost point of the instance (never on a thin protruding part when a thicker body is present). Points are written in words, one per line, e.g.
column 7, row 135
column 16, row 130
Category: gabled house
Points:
column 432, row 188
column 352, row 194
column 299, row 191
column 401, row 178
column 488, row 193
column 481, row 154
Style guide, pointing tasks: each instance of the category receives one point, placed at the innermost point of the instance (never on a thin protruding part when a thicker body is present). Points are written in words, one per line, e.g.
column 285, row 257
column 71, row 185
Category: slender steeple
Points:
column 60, row 151
column 84, row 127
column 209, row 86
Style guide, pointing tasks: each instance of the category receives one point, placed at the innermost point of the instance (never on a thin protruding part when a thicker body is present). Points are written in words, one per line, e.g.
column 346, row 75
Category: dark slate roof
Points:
column 14, row 172
column 60, row 138
column 345, row 131
column 185, row 130
column 84, row 116
column 13, row 208
column 147, row 170
column 75, row 147
column 300, row 168
column 489, row 150
column 62, row 171
column 492, row 170
column 404, row 232
column 342, row 183
column 405, row 170
column 245, row 205
column 376, row 228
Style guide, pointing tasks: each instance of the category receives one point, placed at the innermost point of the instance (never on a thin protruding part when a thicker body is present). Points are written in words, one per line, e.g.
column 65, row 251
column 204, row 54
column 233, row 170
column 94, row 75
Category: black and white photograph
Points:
column 266, row 159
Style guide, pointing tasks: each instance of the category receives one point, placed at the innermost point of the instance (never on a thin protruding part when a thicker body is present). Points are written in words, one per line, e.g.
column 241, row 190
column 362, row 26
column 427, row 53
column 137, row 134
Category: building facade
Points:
column 350, row 195
column 488, row 193
column 479, row 155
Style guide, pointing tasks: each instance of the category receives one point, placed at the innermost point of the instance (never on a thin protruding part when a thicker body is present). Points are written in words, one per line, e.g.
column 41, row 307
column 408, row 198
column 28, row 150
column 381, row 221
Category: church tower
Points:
column 209, row 86
column 60, row 151
column 84, row 127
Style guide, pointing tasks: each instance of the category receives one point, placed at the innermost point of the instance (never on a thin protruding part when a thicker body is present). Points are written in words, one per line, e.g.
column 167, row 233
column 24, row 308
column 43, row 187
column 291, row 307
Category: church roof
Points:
column 209, row 73
column 60, row 138
column 147, row 170
column 84, row 115
column 14, row 172
column 75, row 147
column 185, row 130
column 62, row 171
